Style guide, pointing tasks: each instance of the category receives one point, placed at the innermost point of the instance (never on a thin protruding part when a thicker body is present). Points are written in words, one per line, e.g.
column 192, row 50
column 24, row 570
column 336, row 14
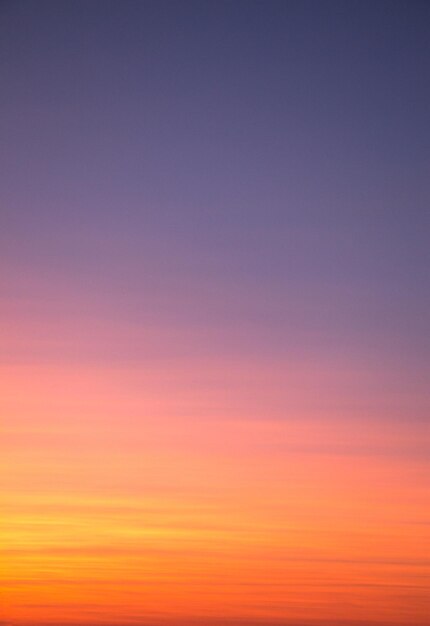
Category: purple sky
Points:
column 257, row 170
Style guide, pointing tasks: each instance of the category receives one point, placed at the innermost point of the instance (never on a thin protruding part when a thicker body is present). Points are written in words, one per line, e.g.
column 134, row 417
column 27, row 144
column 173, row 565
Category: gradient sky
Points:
column 214, row 313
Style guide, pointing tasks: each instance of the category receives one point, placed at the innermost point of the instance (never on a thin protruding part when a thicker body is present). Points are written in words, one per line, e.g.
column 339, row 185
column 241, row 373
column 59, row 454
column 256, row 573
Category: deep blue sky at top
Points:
column 268, row 159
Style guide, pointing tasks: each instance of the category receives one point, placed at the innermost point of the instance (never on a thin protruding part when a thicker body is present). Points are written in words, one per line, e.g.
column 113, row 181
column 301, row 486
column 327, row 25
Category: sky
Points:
column 214, row 313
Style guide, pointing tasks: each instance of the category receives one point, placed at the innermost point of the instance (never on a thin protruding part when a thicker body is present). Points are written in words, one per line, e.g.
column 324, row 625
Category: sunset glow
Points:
column 214, row 316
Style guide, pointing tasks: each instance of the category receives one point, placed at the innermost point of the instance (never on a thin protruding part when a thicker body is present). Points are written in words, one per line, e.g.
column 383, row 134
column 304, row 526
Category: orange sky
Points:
column 171, row 494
